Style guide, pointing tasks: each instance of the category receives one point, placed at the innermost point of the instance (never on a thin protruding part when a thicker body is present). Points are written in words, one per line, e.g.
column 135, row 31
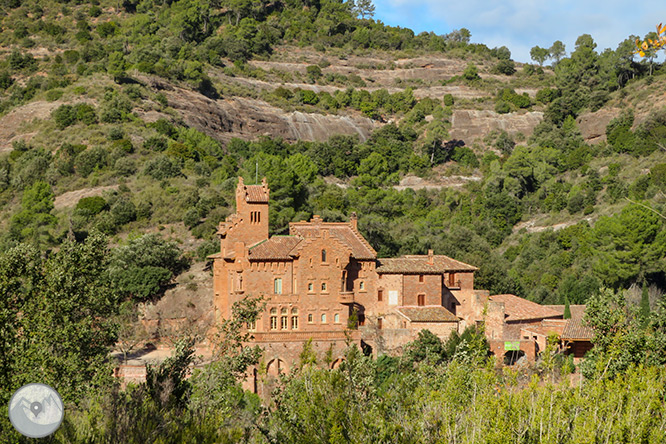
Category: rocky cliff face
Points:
column 224, row 119
column 474, row 125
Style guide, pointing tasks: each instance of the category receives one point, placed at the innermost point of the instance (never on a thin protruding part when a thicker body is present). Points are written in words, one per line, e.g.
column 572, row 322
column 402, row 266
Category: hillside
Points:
column 137, row 117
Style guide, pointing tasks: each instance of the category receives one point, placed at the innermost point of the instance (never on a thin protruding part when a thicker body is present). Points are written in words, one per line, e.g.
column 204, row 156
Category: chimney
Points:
column 353, row 220
column 431, row 259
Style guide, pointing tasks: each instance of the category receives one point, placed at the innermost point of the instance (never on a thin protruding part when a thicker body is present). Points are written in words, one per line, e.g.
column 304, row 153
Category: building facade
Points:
column 324, row 283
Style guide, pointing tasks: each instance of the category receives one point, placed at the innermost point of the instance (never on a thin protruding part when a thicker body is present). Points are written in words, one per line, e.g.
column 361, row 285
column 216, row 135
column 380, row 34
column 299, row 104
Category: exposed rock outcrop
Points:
column 593, row 125
column 246, row 118
column 472, row 125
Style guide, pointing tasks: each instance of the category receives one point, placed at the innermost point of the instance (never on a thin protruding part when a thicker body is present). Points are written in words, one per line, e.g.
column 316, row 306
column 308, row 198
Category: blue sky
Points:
column 522, row 24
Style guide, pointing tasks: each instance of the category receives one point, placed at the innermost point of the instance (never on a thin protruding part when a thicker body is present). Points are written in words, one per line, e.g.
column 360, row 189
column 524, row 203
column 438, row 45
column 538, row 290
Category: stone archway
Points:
column 275, row 367
column 513, row 356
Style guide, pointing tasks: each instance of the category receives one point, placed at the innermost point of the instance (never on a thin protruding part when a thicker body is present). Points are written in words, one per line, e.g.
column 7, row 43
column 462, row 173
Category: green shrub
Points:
column 64, row 116
column 125, row 166
column 502, row 107
column 164, row 127
column 91, row 206
column 161, row 168
column 116, row 133
column 465, row 156
column 546, row 95
column 155, row 144
column 448, row 100
column 471, row 73
column 124, row 145
column 313, row 72
column 308, row 97
column 90, row 160
column 506, row 67
column 53, row 95
column 5, row 80
column 123, row 211
column 107, row 29
column 85, row 113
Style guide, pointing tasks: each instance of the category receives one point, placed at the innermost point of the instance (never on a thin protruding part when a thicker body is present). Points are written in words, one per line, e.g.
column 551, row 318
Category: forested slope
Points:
column 124, row 125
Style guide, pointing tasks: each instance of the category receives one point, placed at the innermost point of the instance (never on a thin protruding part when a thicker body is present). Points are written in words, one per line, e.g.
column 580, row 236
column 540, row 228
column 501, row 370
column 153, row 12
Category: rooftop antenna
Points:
column 256, row 173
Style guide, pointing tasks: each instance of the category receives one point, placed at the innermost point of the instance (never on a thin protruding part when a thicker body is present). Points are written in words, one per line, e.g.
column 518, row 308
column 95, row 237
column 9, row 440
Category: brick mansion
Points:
column 322, row 274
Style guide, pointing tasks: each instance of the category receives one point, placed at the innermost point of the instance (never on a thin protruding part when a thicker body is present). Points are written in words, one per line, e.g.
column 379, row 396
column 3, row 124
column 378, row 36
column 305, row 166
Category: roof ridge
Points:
column 361, row 238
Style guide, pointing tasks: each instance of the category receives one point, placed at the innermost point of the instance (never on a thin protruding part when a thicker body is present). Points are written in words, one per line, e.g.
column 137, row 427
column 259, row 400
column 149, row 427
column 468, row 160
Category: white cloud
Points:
column 522, row 24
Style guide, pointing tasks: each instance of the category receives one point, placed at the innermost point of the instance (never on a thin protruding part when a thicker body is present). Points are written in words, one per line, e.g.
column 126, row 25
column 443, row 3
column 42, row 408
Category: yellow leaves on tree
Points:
column 650, row 44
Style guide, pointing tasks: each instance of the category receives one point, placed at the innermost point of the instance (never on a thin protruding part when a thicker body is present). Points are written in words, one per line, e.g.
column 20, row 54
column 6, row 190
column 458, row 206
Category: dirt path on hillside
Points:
column 71, row 198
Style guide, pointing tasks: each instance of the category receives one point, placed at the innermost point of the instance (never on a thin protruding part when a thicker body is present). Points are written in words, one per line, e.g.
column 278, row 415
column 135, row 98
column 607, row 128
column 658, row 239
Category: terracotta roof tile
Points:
column 421, row 265
column 360, row 248
column 576, row 328
column 519, row 309
column 256, row 194
column 433, row 313
column 576, row 310
column 275, row 248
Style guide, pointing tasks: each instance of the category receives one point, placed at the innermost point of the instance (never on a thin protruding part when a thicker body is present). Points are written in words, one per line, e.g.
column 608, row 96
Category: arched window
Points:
column 283, row 319
column 323, row 318
column 294, row 319
column 273, row 318
column 336, row 318
column 277, row 286
column 310, row 320
column 323, row 255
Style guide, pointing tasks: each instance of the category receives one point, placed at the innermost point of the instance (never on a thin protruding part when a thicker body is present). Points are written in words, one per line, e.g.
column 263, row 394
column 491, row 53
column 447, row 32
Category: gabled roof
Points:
column 343, row 232
column 275, row 248
column 436, row 264
column 433, row 313
column 519, row 309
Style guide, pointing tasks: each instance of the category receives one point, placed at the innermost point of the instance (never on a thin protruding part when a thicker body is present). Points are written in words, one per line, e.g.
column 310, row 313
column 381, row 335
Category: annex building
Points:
column 324, row 276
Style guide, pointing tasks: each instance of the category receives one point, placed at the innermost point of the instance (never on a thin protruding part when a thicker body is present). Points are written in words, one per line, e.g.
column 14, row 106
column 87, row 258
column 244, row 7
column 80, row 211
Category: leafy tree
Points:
column 145, row 265
column 557, row 51
column 539, row 54
column 116, row 65
column 34, row 221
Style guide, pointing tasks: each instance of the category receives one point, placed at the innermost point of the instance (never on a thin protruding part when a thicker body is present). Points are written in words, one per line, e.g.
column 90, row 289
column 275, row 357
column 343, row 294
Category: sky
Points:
column 523, row 24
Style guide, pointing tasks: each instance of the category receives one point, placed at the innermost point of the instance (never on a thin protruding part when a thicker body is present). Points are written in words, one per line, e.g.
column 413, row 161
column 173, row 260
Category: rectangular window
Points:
column 277, row 286
column 294, row 322
column 379, row 323
column 421, row 300
column 323, row 286
column 380, row 295
column 452, row 279
column 283, row 322
column 251, row 325
column 420, row 278
column 310, row 320
column 310, row 287
column 361, row 286
column 273, row 322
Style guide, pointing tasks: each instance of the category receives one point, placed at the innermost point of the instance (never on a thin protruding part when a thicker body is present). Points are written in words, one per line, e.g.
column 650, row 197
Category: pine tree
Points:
column 567, row 309
column 364, row 8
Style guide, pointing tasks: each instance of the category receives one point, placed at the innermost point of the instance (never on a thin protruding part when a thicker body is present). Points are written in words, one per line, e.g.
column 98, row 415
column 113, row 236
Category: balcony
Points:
column 346, row 297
